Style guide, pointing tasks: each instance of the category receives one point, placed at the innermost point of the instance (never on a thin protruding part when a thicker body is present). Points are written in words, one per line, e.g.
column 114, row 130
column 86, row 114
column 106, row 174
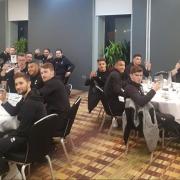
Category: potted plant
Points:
column 115, row 51
column 21, row 45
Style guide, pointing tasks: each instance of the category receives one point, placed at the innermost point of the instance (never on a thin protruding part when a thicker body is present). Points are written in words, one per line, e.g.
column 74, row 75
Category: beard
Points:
column 22, row 91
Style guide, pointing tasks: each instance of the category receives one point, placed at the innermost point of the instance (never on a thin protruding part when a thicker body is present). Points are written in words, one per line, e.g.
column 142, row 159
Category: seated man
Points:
column 55, row 94
column 100, row 76
column 137, row 60
column 113, row 88
column 28, row 110
column 7, row 75
column 45, row 57
column 5, row 56
column 96, row 78
column 176, row 73
column 134, row 91
column 29, row 57
column 63, row 67
column 35, row 75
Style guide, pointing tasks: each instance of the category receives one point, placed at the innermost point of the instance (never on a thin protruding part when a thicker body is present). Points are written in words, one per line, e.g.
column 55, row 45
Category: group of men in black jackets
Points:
column 42, row 93
column 123, row 82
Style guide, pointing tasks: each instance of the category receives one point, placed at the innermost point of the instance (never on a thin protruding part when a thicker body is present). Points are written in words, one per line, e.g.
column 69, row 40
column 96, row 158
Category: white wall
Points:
column 18, row 10
column 113, row 7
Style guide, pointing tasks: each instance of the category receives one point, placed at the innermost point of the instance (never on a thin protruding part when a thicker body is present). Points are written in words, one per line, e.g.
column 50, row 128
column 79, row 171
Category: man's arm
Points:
column 137, row 97
column 12, row 110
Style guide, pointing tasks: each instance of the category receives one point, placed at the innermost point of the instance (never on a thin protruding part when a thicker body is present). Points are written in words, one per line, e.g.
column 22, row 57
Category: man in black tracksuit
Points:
column 134, row 91
column 35, row 75
column 96, row 78
column 113, row 88
column 55, row 94
column 62, row 66
column 9, row 76
column 137, row 61
column 29, row 110
column 45, row 57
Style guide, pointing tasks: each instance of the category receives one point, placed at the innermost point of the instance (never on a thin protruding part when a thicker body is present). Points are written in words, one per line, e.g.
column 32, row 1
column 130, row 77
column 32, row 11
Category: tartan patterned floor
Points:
column 99, row 156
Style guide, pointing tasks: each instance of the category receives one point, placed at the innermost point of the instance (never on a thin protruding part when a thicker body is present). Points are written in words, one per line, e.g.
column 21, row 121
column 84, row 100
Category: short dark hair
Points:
column 137, row 55
column 101, row 59
column 135, row 69
column 119, row 61
column 21, row 54
column 21, row 75
column 48, row 66
column 59, row 50
column 47, row 49
column 29, row 52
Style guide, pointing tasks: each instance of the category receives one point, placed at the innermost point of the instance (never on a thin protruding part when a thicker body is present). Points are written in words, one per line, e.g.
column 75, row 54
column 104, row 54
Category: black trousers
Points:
column 7, row 144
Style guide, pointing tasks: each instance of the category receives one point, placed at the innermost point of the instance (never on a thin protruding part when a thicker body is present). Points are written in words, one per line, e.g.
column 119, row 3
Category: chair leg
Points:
column 72, row 143
column 163, row 137
column 50, row 166
column 65, row 151
column 127, row 148
column 99, row 113
column 23, row 170
column 151, row 157
column 110, row 129
column 102, row 123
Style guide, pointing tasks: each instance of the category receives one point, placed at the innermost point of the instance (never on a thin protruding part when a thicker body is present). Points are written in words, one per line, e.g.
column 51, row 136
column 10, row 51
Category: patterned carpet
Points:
column 99, row 156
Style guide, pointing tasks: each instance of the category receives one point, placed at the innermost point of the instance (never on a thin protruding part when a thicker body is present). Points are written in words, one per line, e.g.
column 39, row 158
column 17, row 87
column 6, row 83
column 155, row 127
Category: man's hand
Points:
column 93, row 74
column 2, row 95
column 67, row 74
column 177, row 66
column 148, row 65
column 37, row 51
column 156, row 86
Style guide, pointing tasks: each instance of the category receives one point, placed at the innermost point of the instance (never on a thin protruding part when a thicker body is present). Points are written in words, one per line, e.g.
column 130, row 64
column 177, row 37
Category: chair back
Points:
column 104, row 101
column 71, row 116
column 40, row 136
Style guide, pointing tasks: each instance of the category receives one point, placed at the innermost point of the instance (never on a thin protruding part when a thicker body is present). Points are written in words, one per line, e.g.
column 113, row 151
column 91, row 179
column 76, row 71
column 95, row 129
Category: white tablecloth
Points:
column 169, row 101
column 7, row 121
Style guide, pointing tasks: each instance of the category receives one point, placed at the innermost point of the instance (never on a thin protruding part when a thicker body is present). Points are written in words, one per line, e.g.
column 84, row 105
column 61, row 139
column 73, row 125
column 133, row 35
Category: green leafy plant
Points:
column 21, row 45
column 115, row 51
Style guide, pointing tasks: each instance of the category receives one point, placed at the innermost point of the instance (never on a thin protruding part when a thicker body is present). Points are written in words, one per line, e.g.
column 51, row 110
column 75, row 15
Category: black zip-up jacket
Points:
column 43, row 58
column 36, row 81
column 100, row 79
column 28, row 111
column 135, row 92
column 55, row 96
column 62, row 65
column 113, row 88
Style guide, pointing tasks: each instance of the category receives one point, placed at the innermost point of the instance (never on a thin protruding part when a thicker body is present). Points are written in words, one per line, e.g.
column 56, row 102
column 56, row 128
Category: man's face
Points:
column 21, row 61
column 22, row 86
column 12, row 51
column 120, row 66
column 137, row 60
column 33, row 69
column 46, row 74
column 59, row 54
column 137, row 77
column 46, row 53
column 29, row 57
column 102, row 66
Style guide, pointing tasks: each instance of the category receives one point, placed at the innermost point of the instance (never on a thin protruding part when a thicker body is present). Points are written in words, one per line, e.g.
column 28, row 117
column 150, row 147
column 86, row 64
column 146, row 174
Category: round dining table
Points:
column 8, row 122
column 168, row 99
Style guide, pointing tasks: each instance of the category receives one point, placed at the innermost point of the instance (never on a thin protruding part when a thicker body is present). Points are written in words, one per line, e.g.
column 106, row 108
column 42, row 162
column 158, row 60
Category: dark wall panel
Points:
column 139, row 27
column 2, row 25
column 65, row 24
column 165, row 34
